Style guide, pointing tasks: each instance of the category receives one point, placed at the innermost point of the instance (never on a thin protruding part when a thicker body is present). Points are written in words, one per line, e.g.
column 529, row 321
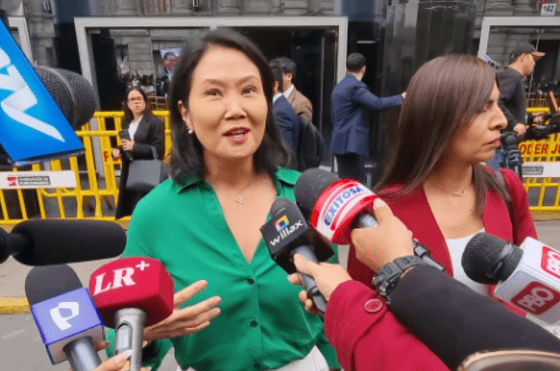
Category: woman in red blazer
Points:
column 435, row 181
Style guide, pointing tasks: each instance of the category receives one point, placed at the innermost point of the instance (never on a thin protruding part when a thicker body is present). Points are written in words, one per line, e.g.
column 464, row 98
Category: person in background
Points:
column 302, row 105
column 146, row 133
column 204, row 222
column 169, row 61
column 285, row 115
column 350, row 101
column 513, row 100
column 435, row 182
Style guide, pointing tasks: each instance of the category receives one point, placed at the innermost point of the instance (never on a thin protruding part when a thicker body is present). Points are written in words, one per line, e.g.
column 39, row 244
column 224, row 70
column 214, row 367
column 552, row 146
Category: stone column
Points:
column 523, row 7
column 277, row 6
column 182, row 6
column 498, row 8
column 127, row 7
column 314, row 6
column 226, row 6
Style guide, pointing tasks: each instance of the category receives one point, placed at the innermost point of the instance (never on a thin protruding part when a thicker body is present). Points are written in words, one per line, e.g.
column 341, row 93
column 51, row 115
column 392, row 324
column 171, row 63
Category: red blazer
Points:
column 367, row 337
column 415, row 213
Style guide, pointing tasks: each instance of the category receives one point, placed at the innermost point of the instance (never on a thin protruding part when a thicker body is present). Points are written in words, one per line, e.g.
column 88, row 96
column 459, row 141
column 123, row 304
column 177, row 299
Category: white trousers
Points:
column 314, row 361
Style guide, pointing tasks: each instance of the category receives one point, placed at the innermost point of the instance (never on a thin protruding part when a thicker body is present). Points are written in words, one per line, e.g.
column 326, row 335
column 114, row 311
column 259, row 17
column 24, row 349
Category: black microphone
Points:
column 527, row 276
column 512, row 158
column 336, row 206
column 287, row 234
column 72, row 93
column 455, row 322
column 47, row 242
column 65, row 316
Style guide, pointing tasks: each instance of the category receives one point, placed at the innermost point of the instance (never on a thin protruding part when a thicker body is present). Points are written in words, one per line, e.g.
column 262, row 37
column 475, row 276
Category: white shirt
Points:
column 133, row 127
column 275, row 98
column 289, row 91
column 456, row 248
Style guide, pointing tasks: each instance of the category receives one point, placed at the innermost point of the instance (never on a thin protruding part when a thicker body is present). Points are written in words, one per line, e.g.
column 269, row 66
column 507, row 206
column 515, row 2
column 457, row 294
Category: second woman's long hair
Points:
column 443, row 98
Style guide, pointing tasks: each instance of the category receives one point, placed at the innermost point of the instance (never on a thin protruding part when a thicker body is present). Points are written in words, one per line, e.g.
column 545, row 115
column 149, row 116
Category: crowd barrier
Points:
column 96, row 191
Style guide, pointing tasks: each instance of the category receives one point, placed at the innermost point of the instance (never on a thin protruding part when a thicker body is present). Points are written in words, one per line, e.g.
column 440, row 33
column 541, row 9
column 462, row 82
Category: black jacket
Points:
column 149, row 133
column 513, row 101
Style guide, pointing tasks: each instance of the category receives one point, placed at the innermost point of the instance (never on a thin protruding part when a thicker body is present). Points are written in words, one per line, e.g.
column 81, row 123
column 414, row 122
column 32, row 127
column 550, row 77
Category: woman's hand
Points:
column 188, row 320
column 116, row 153
column 377, row 246
column 327, row 277
column 127, row 145
column 115, row 363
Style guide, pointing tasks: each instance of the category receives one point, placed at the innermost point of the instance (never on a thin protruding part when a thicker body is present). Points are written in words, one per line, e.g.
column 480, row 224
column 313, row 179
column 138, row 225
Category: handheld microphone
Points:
column 336, row 206
column 65, row 315
column 131, row 293
column 124, row 134
column 287, row 233
column 527, row 276
column 512, row 158
column 48, row 242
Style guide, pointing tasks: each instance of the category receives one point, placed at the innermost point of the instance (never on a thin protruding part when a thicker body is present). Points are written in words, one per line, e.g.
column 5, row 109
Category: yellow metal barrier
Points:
column 93, row 191
column 95, row 195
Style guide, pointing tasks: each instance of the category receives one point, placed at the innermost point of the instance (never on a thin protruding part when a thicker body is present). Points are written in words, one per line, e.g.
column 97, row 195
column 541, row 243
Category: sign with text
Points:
column 548, row 9
column 37, row 179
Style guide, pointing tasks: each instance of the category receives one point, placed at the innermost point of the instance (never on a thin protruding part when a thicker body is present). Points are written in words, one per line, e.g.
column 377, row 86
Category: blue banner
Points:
column 32, row 127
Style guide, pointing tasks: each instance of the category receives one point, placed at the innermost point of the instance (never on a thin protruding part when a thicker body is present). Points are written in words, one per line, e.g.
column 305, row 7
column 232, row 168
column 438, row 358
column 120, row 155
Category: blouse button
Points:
column 251, row 281
column 257, row 366
column 373, row 305
column 253, row 323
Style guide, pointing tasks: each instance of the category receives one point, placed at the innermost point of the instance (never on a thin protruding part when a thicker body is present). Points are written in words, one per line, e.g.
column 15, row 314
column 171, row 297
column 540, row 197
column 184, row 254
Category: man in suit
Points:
column 169, row 61
column 350, row 101
column 299, row 102
column 285, row 115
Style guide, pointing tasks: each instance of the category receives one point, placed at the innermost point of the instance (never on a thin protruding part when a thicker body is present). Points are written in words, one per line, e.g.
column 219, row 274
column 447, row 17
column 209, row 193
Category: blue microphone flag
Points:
column 32, row 127
column 64, row 318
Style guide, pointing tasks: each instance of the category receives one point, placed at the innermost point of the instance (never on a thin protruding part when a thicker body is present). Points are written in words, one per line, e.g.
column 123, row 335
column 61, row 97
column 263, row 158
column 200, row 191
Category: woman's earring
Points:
column 189, row 130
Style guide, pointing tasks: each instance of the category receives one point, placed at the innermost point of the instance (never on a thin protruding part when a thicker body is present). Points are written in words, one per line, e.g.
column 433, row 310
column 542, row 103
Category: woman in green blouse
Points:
column 203, row 224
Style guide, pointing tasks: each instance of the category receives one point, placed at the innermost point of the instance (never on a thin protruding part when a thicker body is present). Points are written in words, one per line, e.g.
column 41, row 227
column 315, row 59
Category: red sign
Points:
column 12, row 181
column 551, row 261
column 536, row 298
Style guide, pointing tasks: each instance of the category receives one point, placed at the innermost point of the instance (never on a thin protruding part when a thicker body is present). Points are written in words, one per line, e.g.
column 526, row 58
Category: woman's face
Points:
column 478, row 141
column 227, row 106
column 136, row 103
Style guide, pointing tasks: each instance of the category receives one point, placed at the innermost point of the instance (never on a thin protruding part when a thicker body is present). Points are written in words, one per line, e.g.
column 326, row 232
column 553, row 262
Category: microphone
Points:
column 48, row 242
column 287, row 233
column 65, row 315
column 131, row 293
column 336, row 206
column 512, row 156
column 527, row 276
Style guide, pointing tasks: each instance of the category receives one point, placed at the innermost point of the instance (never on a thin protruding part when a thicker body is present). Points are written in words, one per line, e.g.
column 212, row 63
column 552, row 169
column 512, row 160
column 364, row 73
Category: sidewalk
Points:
column 13, row 274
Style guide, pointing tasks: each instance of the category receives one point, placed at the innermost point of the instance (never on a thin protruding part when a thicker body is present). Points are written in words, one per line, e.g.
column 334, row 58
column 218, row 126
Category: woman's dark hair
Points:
column 443, row 98
column 187, row 155
column 128, row 116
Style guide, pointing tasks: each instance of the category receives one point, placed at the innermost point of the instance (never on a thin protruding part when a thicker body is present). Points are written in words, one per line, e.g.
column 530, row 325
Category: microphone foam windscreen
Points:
column 43, row 283
column 279, row 204
column 309, row 187
column 481, row 255
column 72, row 92
column 69, row 241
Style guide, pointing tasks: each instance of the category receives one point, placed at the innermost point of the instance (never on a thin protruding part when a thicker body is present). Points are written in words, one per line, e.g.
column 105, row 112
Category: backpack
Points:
column 311, row 145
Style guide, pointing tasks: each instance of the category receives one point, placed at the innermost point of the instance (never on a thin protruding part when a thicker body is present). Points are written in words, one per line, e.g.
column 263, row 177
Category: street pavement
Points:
column 20, row 344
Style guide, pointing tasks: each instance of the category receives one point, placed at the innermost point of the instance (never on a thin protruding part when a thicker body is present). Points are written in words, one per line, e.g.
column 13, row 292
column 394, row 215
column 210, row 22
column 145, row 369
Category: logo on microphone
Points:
column 340, row 201
column 22, row 99
column 282, row 223
column 62, row 321
column 536, row 298
column 551, row 261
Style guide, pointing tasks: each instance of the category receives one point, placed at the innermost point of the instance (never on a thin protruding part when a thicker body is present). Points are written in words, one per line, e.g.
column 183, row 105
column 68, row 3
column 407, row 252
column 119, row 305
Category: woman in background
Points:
column 435, row 180
column 146, row 134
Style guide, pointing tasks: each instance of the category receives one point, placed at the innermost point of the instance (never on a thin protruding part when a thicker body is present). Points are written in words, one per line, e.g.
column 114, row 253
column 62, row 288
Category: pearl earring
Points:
column 190, row 131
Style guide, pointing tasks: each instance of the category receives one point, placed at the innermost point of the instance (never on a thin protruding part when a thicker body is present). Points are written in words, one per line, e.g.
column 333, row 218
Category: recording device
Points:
column 33, row 126
column 538, row 132
column 527, row 276
column 512, row 154
column 456, row 322
column 287, row 233
column 65, row 315
column 47, row 242
column 336, row 206
column 132, row 293
column 124, row 134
